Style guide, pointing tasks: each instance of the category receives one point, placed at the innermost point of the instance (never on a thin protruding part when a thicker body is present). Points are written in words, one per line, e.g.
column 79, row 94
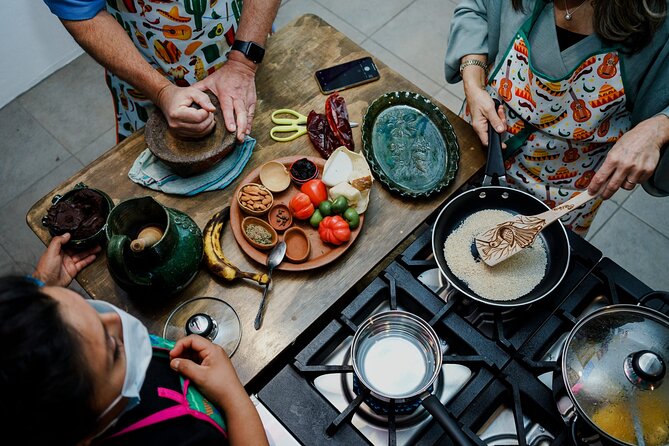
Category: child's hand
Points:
column 209, row 368
column 58, row 268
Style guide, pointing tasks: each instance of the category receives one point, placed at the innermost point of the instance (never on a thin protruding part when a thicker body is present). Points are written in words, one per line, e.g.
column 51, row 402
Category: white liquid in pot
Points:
column 394, row 366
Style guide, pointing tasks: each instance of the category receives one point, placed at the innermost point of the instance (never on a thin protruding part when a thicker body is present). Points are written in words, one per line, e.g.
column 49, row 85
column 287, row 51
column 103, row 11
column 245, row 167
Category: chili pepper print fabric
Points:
column 185, row 40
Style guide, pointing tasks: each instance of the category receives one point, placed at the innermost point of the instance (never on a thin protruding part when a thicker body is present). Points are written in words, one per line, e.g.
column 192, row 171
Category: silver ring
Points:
column 629, row 182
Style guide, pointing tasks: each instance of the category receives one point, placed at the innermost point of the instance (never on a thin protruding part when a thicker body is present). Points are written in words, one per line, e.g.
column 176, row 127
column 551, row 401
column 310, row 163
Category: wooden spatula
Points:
column 508, row 238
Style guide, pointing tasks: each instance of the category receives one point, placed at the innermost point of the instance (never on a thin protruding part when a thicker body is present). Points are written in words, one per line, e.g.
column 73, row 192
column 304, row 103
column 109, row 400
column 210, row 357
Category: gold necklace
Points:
column 568, row 14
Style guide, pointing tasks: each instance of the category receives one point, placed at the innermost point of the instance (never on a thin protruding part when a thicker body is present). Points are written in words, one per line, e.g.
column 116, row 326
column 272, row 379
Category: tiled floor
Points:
column 66, row 121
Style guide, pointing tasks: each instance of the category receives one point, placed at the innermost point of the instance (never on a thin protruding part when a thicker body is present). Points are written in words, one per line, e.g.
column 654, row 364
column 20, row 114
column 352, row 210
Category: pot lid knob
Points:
column 645, row 369
column 203, row 325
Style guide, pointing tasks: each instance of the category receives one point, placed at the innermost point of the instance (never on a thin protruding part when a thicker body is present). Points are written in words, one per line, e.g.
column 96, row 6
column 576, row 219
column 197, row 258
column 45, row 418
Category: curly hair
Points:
column 629, row 23
column 46, row 386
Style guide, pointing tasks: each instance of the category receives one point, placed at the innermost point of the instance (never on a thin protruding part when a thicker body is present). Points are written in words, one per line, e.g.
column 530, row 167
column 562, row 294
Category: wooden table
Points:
column 284, row 80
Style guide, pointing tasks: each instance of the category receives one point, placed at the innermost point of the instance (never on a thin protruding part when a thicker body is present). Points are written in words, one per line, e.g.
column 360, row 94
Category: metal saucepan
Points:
column 501, row 197
column 613, row 369
column 397, row 357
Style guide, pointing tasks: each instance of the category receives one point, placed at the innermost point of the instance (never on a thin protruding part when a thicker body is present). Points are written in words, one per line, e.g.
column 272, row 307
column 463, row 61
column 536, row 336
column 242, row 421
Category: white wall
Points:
column 33, row 44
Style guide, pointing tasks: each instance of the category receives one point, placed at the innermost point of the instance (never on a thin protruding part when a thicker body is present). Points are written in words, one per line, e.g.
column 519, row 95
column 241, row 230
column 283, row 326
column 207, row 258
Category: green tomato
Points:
column 339, row 205
column 325, row 207
column 316, row 218
column 352, row 217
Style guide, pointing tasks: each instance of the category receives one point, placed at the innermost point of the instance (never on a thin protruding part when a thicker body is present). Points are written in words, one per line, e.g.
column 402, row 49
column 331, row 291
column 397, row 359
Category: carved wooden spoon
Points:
column 510, row 237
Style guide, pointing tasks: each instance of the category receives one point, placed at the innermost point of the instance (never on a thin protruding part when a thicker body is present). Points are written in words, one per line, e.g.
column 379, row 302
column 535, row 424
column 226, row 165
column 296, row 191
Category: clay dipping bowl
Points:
column 83, row 213
column 255, row 199
column 303, row 170
column 274, row 176
column 298, row 246
column 280, row 217
column 262, row 223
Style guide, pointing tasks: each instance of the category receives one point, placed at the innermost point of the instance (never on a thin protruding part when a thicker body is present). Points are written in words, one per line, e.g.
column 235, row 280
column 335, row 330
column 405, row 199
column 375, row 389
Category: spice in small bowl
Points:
column 259, row 233
column 255, row 199
column 303, row 170
column 280, row 217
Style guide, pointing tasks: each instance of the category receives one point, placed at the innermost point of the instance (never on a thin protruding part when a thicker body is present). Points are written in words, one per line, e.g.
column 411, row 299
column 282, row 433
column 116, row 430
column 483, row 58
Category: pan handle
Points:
column 439, row 413
column 495, row 174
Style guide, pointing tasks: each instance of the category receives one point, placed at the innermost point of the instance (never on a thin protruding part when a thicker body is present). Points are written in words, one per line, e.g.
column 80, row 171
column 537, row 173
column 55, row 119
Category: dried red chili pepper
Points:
column 337, row 115
column 320, row 134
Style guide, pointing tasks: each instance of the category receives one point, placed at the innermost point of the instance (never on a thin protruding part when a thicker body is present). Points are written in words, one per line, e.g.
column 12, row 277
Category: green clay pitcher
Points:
column 163, row 268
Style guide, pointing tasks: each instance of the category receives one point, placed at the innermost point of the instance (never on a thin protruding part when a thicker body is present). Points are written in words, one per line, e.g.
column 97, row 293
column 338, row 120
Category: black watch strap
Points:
column 251, row 50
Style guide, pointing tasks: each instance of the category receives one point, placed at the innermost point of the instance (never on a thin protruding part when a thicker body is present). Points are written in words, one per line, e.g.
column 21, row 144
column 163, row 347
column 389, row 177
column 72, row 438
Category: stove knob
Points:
column 645, row 369
column 201, row 324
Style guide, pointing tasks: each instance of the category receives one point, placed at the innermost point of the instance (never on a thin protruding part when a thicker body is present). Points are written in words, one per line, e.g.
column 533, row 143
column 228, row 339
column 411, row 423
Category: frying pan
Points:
column 501, row 197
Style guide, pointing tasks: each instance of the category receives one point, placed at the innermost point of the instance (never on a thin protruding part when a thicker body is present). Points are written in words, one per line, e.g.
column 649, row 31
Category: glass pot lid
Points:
column 209, row 317
column 614, row 365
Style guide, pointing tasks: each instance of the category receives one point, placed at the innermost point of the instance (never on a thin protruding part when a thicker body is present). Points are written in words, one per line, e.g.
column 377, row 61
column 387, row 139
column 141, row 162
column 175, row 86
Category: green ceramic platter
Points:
column 409, row 144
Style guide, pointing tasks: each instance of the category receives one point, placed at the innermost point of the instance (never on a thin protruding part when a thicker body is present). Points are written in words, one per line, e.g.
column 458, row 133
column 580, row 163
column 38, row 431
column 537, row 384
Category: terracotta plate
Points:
column 321, row 253
column 409, row 144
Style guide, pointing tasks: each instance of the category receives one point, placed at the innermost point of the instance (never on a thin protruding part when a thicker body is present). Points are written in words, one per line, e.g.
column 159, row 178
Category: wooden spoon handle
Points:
column 566, row 207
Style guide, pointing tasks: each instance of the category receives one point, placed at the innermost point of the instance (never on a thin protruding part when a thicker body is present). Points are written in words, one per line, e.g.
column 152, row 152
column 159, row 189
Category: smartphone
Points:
column 347, row 75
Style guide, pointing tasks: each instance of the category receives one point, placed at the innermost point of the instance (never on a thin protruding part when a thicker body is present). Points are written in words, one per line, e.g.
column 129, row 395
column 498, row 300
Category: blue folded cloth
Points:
column 149, row 171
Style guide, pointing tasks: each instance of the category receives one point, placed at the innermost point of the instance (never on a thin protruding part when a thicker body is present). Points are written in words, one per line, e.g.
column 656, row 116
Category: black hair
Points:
column 630, row 23
column 45, row 386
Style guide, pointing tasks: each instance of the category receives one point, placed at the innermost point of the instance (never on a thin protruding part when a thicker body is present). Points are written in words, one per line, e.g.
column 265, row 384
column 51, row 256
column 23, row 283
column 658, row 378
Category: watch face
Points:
column 251, row 50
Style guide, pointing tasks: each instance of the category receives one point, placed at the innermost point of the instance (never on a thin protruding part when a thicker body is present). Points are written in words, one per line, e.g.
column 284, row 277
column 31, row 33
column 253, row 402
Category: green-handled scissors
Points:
column 296, row 126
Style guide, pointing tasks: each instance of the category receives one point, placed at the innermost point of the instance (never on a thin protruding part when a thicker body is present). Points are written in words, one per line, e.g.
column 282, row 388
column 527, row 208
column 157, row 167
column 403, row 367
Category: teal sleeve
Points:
column 468, row 35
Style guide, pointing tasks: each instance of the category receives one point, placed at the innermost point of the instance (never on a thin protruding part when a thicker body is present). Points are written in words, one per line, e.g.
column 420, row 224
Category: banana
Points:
column 216, row 261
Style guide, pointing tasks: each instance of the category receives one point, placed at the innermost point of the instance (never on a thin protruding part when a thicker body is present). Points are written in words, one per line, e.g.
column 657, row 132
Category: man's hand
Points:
column 210, row 369
column 234, row 85
column 633, row 158
column 57, row 267
column 186, row 121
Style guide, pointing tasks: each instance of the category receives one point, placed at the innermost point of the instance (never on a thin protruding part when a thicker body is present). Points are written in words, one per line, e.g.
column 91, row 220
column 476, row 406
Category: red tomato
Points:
column 301, row 207
column 316, row 190
column 334, row 230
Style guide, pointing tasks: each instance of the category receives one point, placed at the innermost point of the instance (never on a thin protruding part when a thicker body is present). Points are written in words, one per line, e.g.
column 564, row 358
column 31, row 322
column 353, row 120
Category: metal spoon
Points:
column 274, row 258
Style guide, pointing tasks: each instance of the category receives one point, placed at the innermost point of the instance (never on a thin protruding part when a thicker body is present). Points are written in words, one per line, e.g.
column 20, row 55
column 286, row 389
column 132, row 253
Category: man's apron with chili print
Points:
column 559, row 130
column 185, row 40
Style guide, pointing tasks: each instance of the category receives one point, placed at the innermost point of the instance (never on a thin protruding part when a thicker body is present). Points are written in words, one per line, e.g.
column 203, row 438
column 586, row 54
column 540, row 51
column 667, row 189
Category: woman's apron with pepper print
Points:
column 560, row 129
column 185, row 40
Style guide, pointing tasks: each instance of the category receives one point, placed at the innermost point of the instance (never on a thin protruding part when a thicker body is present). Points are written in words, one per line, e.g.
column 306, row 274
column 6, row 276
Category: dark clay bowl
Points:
column 187, row 157
column 294, row 167
column 85, row 196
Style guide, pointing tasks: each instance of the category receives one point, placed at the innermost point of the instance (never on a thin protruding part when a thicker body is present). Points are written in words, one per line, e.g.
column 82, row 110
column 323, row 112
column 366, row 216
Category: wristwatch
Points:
column 251, row 50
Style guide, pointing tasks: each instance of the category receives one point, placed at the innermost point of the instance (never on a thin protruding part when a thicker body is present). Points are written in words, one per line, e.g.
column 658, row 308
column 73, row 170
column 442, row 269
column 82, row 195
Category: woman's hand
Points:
column 183, row 119
column 234, row 85
column 633, row 158
column 480, row 104
column 210, row 369
column 57, row 267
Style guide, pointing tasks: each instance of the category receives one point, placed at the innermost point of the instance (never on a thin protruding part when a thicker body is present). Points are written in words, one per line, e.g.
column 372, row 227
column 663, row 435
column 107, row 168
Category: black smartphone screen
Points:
column 346, row 75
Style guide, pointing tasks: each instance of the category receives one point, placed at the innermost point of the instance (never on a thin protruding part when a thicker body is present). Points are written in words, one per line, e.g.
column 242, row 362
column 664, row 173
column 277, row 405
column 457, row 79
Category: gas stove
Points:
column 498, row 362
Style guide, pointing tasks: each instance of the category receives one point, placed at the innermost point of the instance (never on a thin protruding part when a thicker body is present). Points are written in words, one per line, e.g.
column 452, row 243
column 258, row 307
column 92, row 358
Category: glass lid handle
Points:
column 645, row 369
column 201, row 324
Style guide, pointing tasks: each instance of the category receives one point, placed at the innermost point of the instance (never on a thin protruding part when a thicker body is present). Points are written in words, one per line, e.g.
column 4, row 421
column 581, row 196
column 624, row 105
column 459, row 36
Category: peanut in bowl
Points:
column 255, row 199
